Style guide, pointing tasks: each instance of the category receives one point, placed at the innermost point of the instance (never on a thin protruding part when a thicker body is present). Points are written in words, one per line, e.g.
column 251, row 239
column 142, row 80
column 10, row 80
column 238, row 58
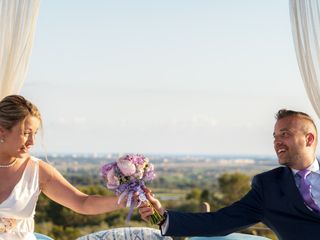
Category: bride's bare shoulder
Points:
column 46, row 172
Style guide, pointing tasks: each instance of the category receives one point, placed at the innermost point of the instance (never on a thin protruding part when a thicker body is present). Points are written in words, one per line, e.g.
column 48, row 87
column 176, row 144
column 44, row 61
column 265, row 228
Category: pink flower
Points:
column 150, row 167
column 126, row 166
column 112, row 180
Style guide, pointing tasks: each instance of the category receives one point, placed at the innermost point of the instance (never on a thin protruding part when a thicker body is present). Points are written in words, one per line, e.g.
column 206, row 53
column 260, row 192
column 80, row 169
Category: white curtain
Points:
column 305, row 23
column 17, row 27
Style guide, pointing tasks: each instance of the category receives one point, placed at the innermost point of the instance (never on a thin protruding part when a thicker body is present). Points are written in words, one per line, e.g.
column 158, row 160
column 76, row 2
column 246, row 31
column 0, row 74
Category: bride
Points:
column 23, row 177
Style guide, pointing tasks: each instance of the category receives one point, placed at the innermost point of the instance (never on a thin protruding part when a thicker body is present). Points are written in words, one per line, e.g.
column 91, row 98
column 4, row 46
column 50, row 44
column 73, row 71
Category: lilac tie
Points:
column 305, row 190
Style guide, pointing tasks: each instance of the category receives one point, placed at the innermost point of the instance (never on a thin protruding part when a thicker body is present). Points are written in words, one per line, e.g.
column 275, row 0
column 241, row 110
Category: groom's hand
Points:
column 146, row 210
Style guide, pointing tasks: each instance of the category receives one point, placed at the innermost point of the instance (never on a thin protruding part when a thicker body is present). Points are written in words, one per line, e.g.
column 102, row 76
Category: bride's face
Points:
column 20, row 138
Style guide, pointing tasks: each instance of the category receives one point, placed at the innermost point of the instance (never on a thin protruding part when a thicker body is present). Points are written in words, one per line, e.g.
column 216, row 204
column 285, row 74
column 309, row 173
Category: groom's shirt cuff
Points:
column 165, row 225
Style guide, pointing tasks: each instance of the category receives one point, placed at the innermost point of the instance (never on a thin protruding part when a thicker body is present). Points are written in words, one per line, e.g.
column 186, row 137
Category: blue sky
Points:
column 163, row 76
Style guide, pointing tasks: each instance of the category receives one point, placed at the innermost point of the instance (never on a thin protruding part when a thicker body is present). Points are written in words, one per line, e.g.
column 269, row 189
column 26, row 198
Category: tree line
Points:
column 63, row 224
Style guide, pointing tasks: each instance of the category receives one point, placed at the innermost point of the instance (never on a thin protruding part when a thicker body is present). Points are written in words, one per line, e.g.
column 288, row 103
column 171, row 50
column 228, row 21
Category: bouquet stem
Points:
column 156, row 217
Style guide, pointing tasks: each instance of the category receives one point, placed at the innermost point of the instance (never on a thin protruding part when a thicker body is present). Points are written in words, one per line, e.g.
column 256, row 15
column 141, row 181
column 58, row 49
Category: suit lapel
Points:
column 292, row 194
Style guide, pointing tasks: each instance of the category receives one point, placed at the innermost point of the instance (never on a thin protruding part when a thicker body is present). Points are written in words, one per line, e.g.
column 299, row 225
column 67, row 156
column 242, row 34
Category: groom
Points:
column 286, row 199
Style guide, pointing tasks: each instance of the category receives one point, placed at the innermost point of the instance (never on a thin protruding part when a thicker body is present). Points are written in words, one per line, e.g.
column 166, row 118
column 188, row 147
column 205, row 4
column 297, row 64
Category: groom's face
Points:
column 290, row 141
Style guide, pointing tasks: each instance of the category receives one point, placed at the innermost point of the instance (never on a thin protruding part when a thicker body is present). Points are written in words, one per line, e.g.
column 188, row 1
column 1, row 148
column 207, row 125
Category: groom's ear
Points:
column 2, row 131
column 310, row 139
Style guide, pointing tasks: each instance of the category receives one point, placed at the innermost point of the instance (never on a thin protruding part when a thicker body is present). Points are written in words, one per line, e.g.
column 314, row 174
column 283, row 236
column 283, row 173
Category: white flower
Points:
column 139, row 174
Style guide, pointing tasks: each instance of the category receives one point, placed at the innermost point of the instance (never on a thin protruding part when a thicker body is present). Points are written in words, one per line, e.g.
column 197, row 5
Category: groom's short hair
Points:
column 283, row 113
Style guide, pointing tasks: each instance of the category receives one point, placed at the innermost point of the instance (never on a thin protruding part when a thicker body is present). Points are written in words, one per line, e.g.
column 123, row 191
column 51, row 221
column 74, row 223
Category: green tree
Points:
column 65, row 233
column 195, row 194
column 205, row 196
column 233, row 186
column 41, row 210
column 189, row 206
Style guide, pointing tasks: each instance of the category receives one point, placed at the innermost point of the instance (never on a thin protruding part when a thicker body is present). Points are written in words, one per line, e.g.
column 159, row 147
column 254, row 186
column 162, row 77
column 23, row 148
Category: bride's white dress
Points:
column 17, row 211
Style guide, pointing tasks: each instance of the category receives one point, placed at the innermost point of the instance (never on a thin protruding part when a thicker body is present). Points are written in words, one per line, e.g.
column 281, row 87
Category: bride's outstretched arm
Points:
column 58, row 189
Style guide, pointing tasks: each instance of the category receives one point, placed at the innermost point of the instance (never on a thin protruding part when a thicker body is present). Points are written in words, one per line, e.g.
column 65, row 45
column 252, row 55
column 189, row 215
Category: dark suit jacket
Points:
column 273, row 199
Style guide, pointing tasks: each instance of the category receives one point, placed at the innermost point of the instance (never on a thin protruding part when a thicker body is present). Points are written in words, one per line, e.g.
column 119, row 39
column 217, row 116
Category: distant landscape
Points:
column 182, row 182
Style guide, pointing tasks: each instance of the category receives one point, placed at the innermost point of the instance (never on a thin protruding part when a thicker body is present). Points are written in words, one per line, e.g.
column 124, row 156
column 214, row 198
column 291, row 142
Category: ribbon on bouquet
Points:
column 128, row 190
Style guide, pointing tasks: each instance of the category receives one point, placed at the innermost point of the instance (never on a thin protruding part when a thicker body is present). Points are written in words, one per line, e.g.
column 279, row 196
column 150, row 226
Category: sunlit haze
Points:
column 200, row 77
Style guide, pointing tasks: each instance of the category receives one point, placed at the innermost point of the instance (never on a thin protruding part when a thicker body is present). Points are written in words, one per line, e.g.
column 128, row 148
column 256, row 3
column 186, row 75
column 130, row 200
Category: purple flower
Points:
column 106, row 168
column 137, row 159
column 149, row 174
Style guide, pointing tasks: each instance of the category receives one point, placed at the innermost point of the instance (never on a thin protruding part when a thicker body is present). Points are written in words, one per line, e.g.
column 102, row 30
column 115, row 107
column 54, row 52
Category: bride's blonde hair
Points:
column 15, row 108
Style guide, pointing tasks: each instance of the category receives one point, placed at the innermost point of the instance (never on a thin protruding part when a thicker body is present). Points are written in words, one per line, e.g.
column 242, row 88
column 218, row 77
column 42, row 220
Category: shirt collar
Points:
column 314, row 167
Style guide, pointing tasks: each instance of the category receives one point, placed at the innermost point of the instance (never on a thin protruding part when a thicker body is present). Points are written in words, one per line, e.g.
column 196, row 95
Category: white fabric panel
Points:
column 305, row 22
column 17, row 27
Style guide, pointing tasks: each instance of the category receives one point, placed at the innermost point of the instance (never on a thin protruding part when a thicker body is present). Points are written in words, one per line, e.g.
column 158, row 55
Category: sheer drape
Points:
column 17, row 26
column 305, row 22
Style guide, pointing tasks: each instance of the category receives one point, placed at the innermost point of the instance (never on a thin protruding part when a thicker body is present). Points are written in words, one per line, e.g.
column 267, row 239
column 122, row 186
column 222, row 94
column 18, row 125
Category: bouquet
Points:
column 127, row 176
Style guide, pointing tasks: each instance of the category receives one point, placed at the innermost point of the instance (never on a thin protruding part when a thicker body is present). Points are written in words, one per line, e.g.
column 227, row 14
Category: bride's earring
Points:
column 1, row 140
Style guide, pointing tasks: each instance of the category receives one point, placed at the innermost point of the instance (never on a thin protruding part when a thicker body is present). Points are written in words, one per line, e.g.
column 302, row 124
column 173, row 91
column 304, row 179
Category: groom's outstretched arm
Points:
column 241, row 214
